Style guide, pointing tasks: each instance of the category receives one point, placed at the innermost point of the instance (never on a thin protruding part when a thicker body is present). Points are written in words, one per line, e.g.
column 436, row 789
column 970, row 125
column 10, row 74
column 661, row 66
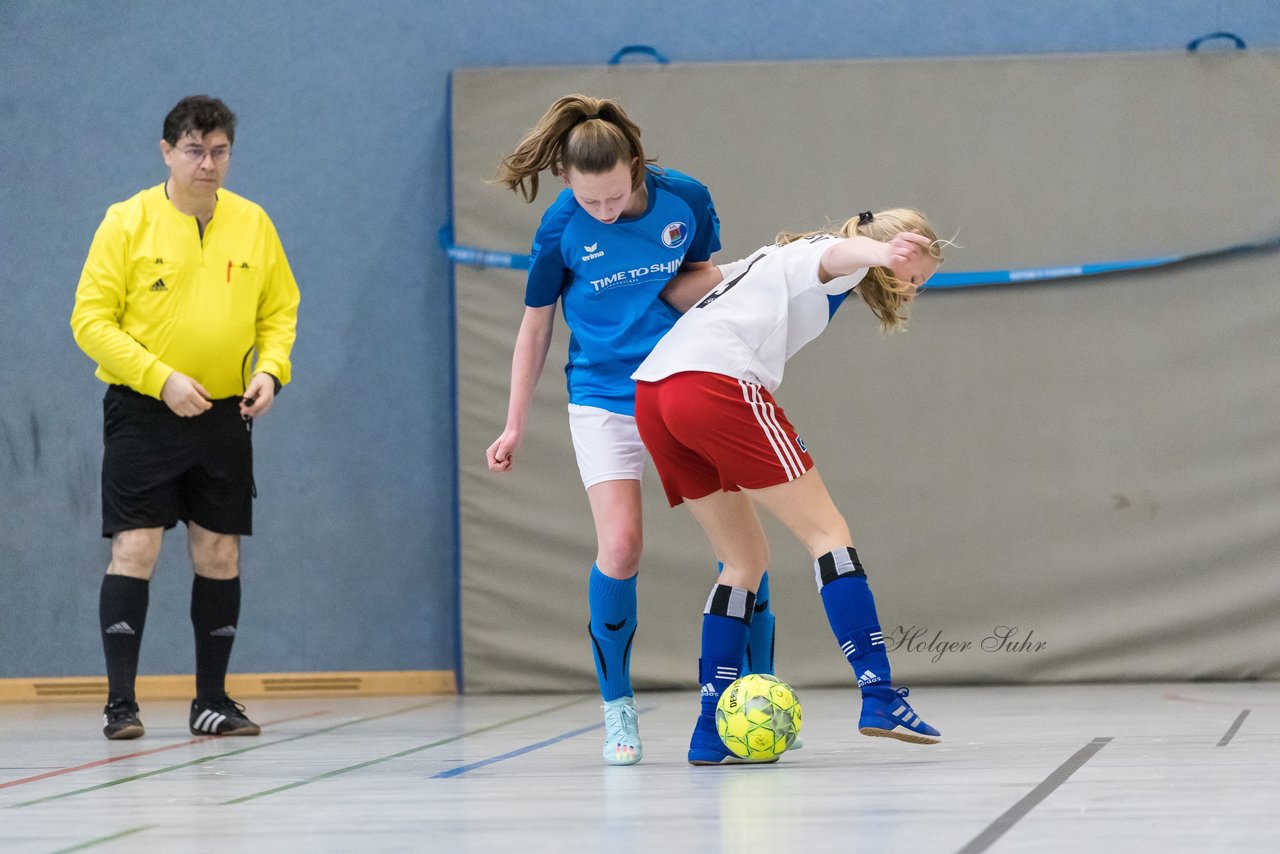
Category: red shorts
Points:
column 709, row 432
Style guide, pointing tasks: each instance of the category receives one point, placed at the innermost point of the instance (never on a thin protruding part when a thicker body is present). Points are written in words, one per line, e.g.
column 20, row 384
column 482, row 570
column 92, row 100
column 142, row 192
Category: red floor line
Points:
column 110, row 759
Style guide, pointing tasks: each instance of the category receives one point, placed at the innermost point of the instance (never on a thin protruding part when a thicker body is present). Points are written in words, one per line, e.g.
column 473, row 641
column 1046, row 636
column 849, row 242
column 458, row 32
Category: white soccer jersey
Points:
column 752, row 323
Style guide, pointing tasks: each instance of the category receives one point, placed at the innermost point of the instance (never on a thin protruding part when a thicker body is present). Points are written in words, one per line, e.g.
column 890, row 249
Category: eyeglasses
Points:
column 197, row 155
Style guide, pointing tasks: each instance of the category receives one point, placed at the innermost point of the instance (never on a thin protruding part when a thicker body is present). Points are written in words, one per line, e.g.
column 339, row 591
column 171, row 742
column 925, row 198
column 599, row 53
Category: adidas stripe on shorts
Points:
column 709, row 432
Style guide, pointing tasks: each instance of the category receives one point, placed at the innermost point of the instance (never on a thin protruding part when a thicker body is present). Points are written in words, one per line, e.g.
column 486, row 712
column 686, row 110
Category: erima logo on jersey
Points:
column 674, row 234
column 592, row 254
column 622, row 278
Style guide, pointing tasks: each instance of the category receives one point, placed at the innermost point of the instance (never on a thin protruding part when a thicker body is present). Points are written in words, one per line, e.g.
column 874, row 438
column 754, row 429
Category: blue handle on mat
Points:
column 1194, row 44
column 642, row 49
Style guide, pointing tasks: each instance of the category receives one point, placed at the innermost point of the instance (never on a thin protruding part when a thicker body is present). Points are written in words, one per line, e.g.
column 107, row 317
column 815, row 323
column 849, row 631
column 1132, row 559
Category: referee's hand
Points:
column 185, row 396
column 259, row 396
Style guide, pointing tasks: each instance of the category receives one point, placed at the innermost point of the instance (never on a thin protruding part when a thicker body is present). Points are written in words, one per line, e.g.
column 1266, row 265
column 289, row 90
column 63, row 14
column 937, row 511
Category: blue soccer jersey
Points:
column 608, row 277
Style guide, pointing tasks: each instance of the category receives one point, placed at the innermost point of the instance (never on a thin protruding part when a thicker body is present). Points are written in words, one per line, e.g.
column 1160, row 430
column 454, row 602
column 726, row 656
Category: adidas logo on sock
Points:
column 224, row 632
column 120, row 628
column 867, row 678
column 709, row 690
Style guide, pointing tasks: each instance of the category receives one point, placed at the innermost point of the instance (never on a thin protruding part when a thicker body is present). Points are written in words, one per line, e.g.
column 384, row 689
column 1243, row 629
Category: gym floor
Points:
column 1098, row 768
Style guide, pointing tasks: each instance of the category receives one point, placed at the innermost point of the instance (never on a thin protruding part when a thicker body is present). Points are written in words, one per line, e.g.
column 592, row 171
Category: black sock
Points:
column 122, row 614
column 215, row 610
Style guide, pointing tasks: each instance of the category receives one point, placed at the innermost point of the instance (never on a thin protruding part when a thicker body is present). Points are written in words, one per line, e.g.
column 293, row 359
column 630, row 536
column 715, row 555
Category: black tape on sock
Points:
column 736, row 602
column 832, row 565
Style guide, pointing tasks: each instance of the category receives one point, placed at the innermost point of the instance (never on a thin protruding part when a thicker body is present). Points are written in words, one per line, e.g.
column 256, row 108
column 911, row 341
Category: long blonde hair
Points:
column 884, row 293
column 592, row 135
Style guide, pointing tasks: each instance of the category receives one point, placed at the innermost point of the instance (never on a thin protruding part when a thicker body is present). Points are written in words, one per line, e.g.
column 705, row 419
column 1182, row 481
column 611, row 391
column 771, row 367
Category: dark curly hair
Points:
column 199, row 114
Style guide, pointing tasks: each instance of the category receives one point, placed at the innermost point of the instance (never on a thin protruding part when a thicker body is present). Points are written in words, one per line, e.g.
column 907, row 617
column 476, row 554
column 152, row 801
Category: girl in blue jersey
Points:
column 614, row 237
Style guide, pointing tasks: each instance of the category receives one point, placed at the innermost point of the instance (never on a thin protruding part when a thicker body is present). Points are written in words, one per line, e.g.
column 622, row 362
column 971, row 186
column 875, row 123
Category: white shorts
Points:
column 607, row 444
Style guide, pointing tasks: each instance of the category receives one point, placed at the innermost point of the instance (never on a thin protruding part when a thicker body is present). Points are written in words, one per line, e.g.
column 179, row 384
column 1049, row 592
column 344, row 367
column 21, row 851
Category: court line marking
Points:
column 104, row 839
column 519, row 752
column 334, row 773
column 216, row 756
column 1231, row 731
column 135, row 755
column 1185, row 698
column 1011, row 816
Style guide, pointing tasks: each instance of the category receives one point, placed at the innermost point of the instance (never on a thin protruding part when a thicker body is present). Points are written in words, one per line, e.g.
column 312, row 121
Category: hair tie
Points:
column 590, row 117
column 865, row 217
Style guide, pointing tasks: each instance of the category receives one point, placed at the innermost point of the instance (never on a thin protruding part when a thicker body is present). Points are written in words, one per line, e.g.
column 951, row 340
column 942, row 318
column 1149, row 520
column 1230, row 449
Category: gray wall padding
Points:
column 1093, row 464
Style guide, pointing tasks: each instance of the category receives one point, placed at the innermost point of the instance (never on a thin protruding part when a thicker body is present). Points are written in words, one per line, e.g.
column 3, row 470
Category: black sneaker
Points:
column 120, row 720
column 220, row 716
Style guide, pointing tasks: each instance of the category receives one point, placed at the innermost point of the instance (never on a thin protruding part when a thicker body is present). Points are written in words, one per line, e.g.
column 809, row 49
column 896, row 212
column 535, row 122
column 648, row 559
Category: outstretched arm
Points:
column 856, row 253
column 532, row 343
column 691, row 284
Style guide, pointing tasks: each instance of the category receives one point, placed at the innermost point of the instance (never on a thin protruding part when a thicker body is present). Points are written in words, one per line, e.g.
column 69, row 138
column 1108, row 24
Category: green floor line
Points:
column 402, row 753
column 202, row 760
column 103, row 839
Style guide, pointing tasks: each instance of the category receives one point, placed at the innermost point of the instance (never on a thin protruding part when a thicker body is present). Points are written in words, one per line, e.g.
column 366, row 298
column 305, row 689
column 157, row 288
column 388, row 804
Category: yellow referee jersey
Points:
column 156, row 297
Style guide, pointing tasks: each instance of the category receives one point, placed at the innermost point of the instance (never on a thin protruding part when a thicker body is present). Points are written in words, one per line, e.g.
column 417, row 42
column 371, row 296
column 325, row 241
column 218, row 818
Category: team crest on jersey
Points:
column 674, row 235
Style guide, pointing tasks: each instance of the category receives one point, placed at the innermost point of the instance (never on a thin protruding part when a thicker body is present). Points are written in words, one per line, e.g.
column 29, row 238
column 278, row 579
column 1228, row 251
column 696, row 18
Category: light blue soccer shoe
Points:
column 621, row 732
column 895, row 719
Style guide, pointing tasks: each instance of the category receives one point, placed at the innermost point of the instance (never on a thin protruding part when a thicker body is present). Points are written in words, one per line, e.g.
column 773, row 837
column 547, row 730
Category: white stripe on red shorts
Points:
column 765, row 415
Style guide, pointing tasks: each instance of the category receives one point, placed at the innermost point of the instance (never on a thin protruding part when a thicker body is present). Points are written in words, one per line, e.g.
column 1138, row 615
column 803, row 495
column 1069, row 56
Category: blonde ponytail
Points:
column 884, row 294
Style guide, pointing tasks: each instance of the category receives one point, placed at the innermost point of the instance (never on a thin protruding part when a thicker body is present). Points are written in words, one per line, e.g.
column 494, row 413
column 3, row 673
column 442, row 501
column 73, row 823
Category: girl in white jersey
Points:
column 705, row 410
column 606, row 247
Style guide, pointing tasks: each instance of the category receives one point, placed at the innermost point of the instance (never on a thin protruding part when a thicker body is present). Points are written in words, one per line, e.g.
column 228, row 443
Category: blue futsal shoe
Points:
column 621, row 732
column 895, row 719
column 706, row 748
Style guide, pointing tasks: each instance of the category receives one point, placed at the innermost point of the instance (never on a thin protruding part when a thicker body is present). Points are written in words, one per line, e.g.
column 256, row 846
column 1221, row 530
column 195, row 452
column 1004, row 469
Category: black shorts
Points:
column 159, row 468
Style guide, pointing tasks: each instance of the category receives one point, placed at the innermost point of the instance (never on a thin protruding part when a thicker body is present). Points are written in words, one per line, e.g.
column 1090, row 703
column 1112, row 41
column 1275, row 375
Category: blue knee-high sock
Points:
column 851, row 611
column 760, row 638
column 725, row 625
column 612, row 627
column 760, row 641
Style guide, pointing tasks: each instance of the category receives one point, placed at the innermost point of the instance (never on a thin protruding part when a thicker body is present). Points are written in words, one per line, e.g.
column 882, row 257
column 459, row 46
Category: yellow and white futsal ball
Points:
column 758, row 716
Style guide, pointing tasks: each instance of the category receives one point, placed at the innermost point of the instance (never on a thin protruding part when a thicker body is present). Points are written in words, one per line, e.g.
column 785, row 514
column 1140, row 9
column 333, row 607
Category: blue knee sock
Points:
column 760, row 639
column 725, row 624
column 612, row 627
column 851, row 611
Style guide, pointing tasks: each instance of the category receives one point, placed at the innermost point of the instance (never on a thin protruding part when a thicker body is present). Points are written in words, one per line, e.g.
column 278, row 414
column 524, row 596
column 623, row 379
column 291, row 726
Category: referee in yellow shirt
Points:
column 188, row 306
